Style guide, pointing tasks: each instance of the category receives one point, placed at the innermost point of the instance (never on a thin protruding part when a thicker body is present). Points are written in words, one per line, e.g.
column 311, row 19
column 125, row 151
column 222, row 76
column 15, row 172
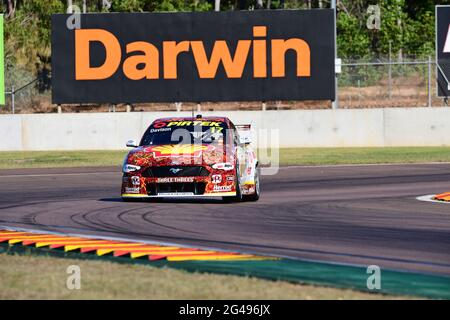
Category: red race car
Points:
column 192, row 157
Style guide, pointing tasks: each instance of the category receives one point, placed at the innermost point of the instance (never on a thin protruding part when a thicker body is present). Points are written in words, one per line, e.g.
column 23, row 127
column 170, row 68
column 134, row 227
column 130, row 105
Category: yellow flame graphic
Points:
column 179, row 149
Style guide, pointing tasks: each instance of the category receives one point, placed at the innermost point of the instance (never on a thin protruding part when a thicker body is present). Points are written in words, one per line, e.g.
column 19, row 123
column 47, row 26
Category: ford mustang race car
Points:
column 192, row 157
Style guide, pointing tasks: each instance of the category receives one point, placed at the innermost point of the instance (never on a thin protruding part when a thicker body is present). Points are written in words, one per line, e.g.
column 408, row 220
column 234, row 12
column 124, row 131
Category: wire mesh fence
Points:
column 387, row 83
column 23, row 94
column 405, row 82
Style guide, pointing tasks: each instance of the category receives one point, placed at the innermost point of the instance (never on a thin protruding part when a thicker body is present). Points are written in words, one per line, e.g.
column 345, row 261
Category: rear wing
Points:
column 245, row 134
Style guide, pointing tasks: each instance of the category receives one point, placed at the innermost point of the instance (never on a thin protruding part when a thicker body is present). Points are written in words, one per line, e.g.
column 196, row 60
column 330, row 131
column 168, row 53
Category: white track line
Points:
column 429, row 198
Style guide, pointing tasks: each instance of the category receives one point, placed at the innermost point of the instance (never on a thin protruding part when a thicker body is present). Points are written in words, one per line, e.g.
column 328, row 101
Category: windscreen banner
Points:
column 193, row 57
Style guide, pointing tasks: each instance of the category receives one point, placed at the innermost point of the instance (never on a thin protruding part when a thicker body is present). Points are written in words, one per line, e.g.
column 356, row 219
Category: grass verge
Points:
column 331, row 156
column 287, row 156
column 40, row 277
column 52, row 159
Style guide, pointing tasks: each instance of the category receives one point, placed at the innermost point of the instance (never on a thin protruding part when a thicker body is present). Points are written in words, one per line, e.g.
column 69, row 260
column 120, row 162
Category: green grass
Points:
column 287, row 156
column 329, row 156
column 40, row 277
column 51, row 159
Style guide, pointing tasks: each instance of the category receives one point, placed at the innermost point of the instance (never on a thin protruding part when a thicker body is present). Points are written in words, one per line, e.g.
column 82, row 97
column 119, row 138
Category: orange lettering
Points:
column 259, row 53
column 279, row 48
column 207, row 67
column 150, row 60
column 233, row 67
column 83, row 70
column 171, row 50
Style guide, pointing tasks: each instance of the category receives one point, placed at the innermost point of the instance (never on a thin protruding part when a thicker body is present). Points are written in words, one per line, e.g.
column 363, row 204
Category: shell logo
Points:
column 178, row 149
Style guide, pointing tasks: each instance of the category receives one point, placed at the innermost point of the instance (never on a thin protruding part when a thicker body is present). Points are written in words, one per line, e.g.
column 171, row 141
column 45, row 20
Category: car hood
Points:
column 177, row 154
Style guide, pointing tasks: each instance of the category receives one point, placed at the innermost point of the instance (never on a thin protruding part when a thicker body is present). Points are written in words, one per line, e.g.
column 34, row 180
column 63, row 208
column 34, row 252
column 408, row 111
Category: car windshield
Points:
column 184, row 132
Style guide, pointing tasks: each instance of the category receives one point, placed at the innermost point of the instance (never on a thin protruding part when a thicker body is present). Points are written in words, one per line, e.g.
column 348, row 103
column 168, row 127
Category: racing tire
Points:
column 255, row 196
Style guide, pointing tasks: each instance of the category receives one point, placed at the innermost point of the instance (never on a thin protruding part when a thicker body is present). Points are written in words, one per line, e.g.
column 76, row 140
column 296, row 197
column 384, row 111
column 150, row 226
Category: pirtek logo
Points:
column 146, row 64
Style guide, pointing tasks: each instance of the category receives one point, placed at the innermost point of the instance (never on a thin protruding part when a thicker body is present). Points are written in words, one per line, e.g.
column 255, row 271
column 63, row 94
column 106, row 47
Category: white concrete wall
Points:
column 297, row 128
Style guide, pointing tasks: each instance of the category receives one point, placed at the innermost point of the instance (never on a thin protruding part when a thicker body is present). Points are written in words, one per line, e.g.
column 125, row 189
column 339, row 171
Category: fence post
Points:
column 429, row 81
column 335, row 103
column 12, row 99
column 390, row 80
column 390, row 70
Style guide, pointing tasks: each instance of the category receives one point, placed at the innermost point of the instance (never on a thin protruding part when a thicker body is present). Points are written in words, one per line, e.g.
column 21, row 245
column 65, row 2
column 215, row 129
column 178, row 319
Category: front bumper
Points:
column 217, row 194
column 211, row 183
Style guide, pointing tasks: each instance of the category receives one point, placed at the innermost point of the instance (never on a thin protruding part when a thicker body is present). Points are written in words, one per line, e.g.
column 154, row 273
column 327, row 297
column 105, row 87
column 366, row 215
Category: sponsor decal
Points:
column 131, row 190
column 160, row 129
column 159, row 125
column 175, row 179
column 230, row 178
column 216, row 178
column 214, row 126
column 223, row 166
column 217, row 188
column 136, row 180
column 187, row 123
column 234, row 67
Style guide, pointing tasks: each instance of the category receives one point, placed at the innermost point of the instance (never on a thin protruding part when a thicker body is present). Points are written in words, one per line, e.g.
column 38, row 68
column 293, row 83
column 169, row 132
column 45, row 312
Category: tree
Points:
column 10, row 8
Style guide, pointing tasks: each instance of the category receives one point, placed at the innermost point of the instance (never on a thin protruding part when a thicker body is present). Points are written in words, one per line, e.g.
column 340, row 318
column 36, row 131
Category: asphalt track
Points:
column 363, row 215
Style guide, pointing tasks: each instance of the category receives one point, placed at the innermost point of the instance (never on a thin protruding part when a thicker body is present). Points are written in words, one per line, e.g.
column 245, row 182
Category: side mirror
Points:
column 132, row 144
column 245, row 139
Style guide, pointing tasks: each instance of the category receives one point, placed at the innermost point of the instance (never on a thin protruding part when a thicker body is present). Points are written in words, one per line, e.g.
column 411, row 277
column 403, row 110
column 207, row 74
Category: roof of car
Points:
column 220, row 119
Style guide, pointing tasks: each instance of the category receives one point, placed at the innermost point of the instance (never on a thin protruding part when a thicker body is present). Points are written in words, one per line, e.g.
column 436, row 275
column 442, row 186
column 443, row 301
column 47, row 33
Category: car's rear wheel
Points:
column 255, row 196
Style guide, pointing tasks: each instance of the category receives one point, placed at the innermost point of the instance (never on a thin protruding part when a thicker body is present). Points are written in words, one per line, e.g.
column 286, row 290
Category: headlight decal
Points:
column 130, row 168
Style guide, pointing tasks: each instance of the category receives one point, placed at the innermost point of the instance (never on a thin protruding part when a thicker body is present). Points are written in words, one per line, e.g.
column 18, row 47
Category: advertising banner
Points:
column 181, row 57
column 443, row 50
column 2, row 64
